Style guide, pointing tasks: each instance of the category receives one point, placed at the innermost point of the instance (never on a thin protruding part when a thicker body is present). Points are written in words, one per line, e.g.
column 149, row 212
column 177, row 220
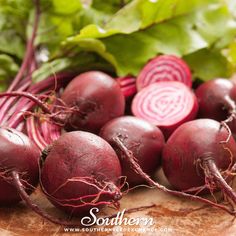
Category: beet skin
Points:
column 17, row 153
column 76, row 165
column 142, row 138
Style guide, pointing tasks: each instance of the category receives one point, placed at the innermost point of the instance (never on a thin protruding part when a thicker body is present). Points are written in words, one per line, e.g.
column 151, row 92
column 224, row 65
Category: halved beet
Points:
column 166, row 104
column 164, row 68
column 127, row 85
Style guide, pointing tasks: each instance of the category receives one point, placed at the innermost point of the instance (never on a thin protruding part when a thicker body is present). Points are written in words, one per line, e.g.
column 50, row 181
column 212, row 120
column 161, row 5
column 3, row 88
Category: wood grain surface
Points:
column 172, row 216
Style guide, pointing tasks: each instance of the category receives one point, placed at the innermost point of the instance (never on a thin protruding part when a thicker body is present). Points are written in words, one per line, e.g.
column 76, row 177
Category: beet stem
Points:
column 135, row 166
column 34, row 133
column 29, row 48
column 27, row 56
column 35, row 100
column 10, row 106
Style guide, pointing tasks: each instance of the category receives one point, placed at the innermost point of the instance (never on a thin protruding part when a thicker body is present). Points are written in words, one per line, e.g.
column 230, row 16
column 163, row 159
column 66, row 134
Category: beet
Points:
column 98, row 98
column 216, row 149
column 166, row 105
column 19, row 155
column 196, row 155
column 142, row 138
column 216, row 100
column 88, row 102
column 81, row 171
column 164, row 68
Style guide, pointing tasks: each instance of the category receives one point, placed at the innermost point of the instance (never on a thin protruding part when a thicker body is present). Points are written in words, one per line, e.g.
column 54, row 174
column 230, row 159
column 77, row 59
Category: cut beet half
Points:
column 127, row 85
column 164, row 68
column 166, row 104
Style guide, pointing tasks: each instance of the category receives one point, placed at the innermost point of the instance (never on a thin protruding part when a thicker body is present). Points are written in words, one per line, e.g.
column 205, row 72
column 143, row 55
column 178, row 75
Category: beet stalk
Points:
column 5, row 105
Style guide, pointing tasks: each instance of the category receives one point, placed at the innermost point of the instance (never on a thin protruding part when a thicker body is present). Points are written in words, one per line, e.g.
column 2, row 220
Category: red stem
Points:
column 25, row 64
column 9, row 104
column 29, row 48
column 54, row 82
column 34, row 134
column 50, row 132
column 36, row 101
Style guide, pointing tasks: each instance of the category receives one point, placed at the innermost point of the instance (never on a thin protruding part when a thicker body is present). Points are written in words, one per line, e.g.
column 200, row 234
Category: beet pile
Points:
column 87, row 138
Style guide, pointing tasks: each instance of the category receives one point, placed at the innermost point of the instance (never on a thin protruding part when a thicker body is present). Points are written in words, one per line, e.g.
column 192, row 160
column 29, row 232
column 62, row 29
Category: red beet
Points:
column 19, row 154
column 142, row 138
column 88, row 102
column 129, row 157
column 166, row 105
column 164, row 68
column 98, row 98
column 216, row 100
column 196, row 156
column 81, row 171
column 127, row 85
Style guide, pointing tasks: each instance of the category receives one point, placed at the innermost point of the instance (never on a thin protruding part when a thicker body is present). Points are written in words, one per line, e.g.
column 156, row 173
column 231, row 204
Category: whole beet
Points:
column 216, row 100
column 19, row 154
column 197, row 153
column 142, row 138
column 98, row 98
column 81, row 171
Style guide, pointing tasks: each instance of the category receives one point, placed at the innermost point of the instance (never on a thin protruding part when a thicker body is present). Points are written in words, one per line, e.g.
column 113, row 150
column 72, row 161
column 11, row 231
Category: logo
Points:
column 119, row 220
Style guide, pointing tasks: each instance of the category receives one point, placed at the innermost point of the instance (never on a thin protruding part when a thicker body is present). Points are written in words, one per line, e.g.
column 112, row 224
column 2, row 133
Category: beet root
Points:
column 196, row 156
column 19, row 154
column 81, row 171
column 142, row 138
column 98, row 98
column 216, row 176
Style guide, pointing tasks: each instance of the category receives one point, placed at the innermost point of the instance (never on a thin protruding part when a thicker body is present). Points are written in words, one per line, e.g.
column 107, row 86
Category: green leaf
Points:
column 128, row 53
column 207, row 64
column 50, row 68
column 216, row 24
column 175, row 38
column 65, row 7
column 167, row 27
column 140, row 14
column 109, row 6
column 11, row 44
column 82, row 62
column 8, row 69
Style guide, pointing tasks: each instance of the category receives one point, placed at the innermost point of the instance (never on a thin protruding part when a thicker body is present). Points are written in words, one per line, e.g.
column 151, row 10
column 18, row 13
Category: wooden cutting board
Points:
column 171, row 215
